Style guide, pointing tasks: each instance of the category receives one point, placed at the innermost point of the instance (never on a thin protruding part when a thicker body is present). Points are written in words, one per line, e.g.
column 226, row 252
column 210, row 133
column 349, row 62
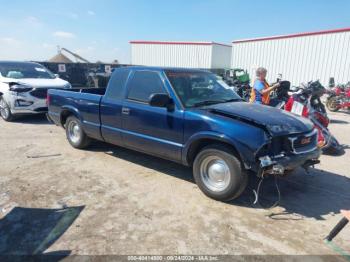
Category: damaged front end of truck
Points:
column 285, row 146
column 282, row 154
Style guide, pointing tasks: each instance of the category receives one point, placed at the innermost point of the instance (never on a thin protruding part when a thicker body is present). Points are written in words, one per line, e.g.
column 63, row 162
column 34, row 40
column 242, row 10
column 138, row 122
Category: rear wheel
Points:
column 332, row 104
column 5, row 111
column 75, row 133
column 218, row 173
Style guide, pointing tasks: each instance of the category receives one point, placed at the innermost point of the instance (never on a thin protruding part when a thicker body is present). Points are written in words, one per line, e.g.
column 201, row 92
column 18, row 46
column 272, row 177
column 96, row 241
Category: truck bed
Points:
column 86, row 100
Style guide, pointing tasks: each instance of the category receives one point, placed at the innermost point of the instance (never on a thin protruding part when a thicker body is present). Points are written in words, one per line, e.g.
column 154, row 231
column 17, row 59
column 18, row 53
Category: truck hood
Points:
column 273, row 120
column 38, row 83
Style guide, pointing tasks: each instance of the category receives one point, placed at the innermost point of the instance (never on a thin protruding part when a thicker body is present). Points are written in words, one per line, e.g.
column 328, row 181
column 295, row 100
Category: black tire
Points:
column 6, row 115
column 334, row 148
column 331, row 150
column 332, row 104
column 238, row 176
column 79, row 140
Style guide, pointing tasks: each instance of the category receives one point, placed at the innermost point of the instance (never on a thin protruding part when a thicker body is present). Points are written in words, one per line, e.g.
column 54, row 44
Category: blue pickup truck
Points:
column 191, row 117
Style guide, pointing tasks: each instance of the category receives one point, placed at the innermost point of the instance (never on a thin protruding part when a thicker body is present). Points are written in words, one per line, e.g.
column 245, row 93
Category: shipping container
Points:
column 299, row 57
column 205, row 55
column 82, row 74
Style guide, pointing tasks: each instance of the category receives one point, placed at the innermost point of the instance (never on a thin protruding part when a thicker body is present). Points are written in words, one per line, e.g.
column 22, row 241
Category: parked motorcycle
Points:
column 338, row 98
column 306, row 102
column 280, row 96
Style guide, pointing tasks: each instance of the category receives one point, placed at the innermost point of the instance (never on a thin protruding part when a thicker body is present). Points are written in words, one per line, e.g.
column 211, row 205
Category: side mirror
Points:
column 161, row 100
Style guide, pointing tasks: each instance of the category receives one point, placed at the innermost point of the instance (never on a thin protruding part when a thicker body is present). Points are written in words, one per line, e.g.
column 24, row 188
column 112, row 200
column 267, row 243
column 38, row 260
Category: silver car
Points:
column 24, row 86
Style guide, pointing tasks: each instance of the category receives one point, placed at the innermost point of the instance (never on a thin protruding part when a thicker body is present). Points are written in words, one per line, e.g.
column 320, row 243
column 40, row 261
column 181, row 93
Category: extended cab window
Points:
column 143, row 85
column 116, row 84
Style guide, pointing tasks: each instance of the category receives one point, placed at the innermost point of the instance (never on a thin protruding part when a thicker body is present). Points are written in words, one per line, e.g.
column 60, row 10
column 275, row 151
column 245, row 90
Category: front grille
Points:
column 277, row 146
column 304, row 143
column 39, row 93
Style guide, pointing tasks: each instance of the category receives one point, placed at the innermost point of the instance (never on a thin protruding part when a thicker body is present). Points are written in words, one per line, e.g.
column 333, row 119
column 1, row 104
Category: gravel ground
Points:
column 109, row 200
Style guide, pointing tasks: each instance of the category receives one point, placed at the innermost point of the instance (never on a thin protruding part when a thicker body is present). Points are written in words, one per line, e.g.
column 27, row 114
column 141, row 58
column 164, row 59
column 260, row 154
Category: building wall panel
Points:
column 206, row 56
column 299, row 59
column 221, row 56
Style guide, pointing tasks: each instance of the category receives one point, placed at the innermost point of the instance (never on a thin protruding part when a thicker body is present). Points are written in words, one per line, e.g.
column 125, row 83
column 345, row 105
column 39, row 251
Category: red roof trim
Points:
column 177, row 43
column 293, row 35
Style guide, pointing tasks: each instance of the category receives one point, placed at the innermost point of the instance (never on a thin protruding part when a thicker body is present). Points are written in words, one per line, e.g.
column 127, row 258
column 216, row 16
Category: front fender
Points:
column 244, row 151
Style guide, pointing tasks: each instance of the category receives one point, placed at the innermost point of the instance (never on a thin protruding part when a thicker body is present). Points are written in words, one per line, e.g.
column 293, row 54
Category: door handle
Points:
column 125, row 111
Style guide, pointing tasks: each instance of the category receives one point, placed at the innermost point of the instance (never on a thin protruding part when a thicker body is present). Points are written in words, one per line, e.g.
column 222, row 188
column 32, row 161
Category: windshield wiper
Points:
column 208, row 102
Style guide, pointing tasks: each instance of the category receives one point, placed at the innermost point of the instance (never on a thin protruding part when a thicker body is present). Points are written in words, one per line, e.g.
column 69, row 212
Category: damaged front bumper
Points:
column 28, row 105
column 278, row 165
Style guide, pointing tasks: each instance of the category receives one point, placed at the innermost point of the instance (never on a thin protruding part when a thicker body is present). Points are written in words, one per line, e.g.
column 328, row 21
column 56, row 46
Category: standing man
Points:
column 260, row 93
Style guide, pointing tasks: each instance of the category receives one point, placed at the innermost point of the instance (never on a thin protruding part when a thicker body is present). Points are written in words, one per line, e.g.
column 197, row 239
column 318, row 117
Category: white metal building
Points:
column 205, row 55
column 299, row 57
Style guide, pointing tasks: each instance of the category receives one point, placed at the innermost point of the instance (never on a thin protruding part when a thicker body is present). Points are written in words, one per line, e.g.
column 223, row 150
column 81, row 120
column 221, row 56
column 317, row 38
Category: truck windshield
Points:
column 200, row 88
column 24, row 70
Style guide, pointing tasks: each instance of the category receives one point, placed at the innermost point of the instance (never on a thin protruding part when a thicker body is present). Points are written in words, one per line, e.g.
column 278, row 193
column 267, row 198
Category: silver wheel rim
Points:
column 4, row 110
column 215, row 173
column 74, row 131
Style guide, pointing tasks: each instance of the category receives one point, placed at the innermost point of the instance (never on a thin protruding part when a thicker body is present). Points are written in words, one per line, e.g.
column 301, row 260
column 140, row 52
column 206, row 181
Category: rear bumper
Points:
column 49, row 119
column 278, row 165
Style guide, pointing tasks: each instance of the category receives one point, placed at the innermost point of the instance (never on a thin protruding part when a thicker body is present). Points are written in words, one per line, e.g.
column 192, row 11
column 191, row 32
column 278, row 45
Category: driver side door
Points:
column 153, row 130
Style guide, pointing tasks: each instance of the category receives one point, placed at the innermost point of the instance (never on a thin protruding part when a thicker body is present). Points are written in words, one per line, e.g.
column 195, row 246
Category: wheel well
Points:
column 198, row 145
column 64, row 115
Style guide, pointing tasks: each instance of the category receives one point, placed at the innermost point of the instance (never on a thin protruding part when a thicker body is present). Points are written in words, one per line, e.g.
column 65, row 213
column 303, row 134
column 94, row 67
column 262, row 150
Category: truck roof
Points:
column 162, row 68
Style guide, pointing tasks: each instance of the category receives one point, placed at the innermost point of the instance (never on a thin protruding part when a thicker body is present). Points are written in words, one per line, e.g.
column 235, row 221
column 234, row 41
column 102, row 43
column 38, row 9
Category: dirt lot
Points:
column 123, row 202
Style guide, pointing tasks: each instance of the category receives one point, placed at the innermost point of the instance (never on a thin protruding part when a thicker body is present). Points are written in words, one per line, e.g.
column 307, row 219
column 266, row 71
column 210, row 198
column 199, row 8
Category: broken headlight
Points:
column 20, row 88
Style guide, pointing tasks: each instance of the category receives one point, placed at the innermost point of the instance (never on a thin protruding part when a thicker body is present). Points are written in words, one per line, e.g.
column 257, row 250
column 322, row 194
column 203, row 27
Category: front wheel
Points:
column 332, row 104
column 219, row 173
column 5, row 111
column 75, row 133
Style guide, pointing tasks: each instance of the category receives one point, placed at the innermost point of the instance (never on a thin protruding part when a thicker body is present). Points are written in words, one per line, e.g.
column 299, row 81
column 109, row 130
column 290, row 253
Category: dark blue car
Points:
column 190, row 117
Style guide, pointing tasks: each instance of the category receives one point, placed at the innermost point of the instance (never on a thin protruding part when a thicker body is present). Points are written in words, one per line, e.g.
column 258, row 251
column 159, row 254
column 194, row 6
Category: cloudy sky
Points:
column 101, row 30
